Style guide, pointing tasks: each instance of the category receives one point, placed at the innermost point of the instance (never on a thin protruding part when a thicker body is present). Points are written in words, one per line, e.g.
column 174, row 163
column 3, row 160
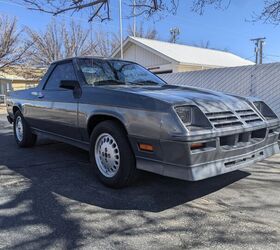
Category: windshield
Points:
column 105, row 72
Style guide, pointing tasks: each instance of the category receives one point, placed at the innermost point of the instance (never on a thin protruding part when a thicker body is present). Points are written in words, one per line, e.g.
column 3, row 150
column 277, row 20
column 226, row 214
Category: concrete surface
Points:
column 50, row 199
column 3, row 110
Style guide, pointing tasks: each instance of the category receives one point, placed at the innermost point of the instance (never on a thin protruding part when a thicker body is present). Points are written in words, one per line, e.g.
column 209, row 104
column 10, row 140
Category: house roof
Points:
column 185, row 54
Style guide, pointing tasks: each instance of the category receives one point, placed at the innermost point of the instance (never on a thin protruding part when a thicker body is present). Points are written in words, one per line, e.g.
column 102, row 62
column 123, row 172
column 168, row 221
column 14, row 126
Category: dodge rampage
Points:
column 130, row 119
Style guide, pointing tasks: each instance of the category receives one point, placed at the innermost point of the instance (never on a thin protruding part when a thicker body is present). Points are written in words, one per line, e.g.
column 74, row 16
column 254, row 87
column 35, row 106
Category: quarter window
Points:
column 63, row 71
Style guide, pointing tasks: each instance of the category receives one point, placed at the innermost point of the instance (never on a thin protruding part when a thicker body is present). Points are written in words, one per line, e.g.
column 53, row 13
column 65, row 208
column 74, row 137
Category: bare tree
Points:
column 152, row 7
column 105, row 43
column 13, row 49
column 59, row 41
column 101, row 8
column 200, row 5
column 206, row 45
column 150, row 33
column 96, row 8
column 270, row 12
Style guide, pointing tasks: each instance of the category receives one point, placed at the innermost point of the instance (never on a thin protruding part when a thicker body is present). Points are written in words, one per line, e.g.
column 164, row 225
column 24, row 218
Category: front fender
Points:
column 137, row 122
column 12, row 105
column 105, row 112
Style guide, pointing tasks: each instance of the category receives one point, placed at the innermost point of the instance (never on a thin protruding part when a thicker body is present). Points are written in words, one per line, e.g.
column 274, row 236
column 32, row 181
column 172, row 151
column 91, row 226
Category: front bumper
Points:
column 209, row 169
column 220, row 155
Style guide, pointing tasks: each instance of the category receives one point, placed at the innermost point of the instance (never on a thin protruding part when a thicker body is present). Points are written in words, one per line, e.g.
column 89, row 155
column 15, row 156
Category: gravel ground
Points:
column 50, row 199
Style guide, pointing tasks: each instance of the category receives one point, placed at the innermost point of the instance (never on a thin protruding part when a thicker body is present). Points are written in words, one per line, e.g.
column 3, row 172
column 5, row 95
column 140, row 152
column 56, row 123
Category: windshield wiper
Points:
column 146, row 82
column 109, row 82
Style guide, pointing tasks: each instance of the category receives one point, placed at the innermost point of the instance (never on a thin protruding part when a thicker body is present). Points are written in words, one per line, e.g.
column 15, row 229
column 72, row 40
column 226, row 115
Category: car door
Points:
column 60, row 113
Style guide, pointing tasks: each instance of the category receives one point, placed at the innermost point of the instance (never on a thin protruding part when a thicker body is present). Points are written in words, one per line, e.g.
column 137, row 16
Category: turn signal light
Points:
column 146, row 147
column 197, row 145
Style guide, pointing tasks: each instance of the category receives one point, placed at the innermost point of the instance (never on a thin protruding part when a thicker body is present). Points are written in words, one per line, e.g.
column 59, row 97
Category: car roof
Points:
column 89, row 57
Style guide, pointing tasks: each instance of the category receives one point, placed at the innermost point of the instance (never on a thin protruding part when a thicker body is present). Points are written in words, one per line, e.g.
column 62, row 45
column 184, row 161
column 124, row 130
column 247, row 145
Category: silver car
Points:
column 130, row 119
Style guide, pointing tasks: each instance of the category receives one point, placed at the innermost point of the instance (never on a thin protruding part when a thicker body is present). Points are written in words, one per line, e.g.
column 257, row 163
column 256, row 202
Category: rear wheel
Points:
column 111, row 155
column 22, row 132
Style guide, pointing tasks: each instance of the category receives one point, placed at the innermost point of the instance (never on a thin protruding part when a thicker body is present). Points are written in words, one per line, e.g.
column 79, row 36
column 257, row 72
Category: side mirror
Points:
column 68, row 84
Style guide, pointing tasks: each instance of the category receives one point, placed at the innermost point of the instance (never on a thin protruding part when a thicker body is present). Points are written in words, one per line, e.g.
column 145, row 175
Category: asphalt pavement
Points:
column 50, row 199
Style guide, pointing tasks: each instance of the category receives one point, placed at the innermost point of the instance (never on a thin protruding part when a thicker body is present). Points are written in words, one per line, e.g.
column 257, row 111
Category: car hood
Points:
column 208, row 101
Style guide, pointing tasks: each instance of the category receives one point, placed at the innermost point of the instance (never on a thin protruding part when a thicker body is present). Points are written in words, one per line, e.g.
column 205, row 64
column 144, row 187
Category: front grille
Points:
column 249, row 116
column 228, row 142
column 223, row 119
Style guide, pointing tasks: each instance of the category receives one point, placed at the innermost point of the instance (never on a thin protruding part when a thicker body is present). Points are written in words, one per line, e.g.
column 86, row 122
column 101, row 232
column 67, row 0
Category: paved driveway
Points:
column 49, row 198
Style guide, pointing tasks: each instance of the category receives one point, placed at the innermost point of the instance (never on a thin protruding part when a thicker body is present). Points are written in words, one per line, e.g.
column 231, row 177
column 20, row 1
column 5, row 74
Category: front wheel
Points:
column 111, row 155
column 22, row 132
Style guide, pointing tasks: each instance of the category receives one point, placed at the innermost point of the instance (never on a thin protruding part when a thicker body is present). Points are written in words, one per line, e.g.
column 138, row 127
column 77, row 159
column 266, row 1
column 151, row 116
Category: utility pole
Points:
column 261, row 51
column 134, row 19
column 259, row 42
column 257, row 51
column 121, row 32
column 175, row 32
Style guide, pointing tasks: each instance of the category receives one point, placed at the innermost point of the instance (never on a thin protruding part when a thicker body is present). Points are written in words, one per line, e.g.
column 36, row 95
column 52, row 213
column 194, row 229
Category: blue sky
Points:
column 227, row 29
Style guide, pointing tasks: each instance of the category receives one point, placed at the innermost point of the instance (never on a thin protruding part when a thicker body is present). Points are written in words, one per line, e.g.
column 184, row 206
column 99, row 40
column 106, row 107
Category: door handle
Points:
column 40, row 95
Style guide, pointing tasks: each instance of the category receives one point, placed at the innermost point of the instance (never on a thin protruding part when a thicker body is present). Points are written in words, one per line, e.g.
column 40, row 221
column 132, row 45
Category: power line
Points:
column 250, row 57
column 273, row 55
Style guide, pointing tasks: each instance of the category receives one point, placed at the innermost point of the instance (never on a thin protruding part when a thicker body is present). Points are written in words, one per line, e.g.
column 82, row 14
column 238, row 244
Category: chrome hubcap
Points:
column 107, row 155
column 19, row 128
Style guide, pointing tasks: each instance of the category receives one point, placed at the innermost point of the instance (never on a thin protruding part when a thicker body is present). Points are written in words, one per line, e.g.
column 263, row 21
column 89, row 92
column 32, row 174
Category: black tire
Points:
column 28, row 138
column 127, row 171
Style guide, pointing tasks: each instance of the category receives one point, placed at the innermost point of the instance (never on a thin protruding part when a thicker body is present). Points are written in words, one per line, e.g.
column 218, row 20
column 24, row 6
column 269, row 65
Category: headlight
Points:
column 192, row 117
column 185, row 114
column 265, row 110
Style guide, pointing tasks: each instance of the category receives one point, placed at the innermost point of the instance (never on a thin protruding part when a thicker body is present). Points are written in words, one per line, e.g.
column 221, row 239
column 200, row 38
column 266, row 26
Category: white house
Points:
column 164, row 57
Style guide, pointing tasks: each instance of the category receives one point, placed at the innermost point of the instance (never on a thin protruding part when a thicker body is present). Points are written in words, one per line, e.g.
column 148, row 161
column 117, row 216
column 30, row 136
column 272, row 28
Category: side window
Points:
column 96, row 71
column 63, row 71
